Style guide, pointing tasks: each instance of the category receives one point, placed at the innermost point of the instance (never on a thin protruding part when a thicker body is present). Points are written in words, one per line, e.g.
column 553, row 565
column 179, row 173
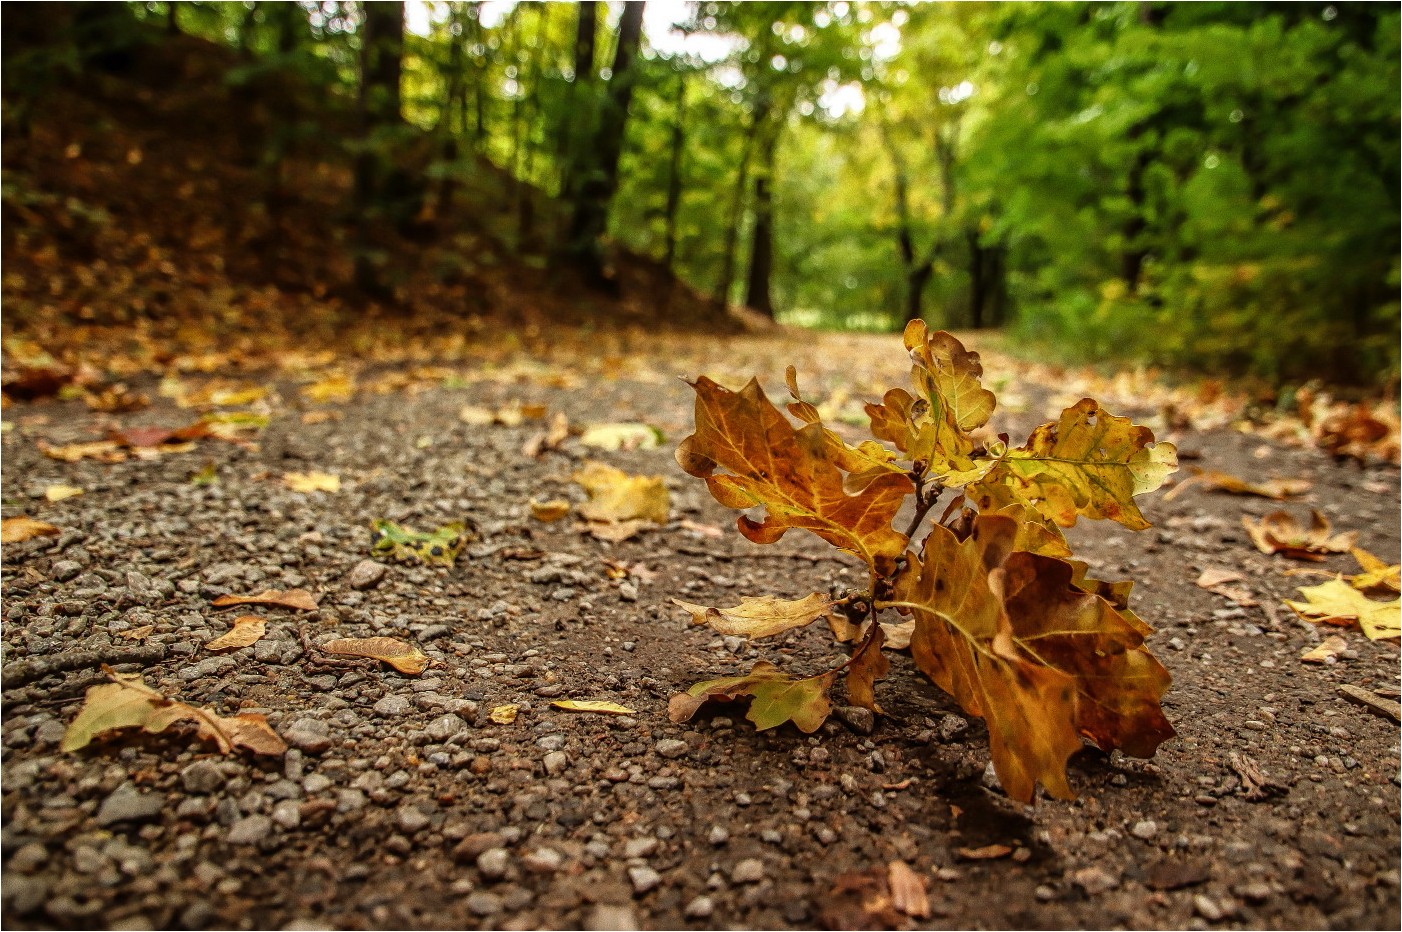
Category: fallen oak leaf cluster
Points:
column 996, row 613
column 127, row 702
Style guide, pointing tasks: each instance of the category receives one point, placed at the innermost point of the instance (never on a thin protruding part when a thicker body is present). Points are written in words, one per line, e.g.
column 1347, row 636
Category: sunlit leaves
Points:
column 1089, row 463
column 996, row 614
column 1279, row 532
column 793, row 474
column 1015, row 641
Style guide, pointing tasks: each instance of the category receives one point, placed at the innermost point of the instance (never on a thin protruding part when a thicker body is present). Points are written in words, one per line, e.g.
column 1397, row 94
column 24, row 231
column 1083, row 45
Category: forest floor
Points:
column 402, row 803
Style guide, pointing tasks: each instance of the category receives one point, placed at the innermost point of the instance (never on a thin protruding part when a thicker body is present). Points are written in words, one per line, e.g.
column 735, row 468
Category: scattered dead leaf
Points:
column 1337, row 603
column 549, row 439
column 1277, row 489
column 504, row 714
column 103, row 451
column 986, row 853
column 614, row 495
column 759, row 617
column 127, row 702
column 907, row 890
column 292, row 598
column 312, row 482
column 246, row 630
column 1279, row 532
column 1377, row 574
column 19, row 529
column 1212, row 577
column 550, row 511
column 137, row 634
column 1325, row 650
column 57, row 493
column 629, row 436
column 403, row 656
column 601, row 706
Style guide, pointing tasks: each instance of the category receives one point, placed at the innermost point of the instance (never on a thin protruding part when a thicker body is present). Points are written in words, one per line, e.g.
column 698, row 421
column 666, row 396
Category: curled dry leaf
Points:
column 614, row 495
column 1278, row 532
column 312, row 481
column 403, row 656
column 759, row 617
column 898, row 635
column 137, row 634
column 127, row 702
column 504, row 714
column 550, row 511
column 57, row 493
column 1212, row 577
column 1278, row 489
column 985, row 853
column 246, row 630
column 860, row 900
column 1337, row 603
column 601, row 706
column 19, row 529
column 292, row 598
column 1325, row 650
column 776, row 697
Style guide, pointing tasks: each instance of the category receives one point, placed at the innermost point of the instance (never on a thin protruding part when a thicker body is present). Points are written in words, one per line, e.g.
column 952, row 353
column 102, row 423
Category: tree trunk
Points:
column 377, row 192
column 916, row 278
column 758, row 293
column 737, row 204
column 577, row 111
column 589, row 222
column 674, row 175
column 918, row 270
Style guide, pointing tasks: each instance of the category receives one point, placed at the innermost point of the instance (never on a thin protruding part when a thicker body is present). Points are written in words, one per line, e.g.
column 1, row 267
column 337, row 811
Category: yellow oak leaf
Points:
column 760, row 617
column 614, row 495
column 776, row 697
column 1337, row 603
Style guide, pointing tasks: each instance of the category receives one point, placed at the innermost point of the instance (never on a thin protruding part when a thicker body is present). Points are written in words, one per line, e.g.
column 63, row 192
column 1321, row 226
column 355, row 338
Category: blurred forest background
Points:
column 1210, row 186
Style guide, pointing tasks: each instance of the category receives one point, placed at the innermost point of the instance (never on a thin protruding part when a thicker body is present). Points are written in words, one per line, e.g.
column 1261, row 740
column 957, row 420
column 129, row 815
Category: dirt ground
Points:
column 403, row 805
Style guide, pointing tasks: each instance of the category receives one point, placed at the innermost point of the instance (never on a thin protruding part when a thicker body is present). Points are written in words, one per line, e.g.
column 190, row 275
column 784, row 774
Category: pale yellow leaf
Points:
column 1337, row 603
column 617, row 496
column 1330, row 647
column 312, row 482
column 57, row 493
column 592, row 705
column 504, row 714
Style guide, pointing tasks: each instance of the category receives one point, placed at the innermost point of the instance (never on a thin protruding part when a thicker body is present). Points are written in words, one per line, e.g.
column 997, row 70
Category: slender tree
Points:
column 589, row 220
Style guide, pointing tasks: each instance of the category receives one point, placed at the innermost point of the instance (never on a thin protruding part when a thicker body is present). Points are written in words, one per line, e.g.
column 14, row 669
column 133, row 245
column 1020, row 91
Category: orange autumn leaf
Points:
column 794, row 474
column 19, row 529
column 1279, row 532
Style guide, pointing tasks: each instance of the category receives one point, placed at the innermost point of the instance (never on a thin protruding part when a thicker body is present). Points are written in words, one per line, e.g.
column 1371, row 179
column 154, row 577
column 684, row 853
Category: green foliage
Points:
column 1208, row 185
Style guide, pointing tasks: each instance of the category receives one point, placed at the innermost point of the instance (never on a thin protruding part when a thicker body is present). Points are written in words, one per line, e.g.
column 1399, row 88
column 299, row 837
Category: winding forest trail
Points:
column 403, row 804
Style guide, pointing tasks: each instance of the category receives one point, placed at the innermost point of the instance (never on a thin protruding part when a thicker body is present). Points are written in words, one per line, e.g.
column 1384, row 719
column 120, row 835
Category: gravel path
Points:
column 402, row 804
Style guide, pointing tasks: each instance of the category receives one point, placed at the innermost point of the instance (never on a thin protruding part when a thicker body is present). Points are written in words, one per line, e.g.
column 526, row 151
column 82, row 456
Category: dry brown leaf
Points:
column 550, row 511
column 292, row 598
column 1325, row 650
column 137, row 634
column 104, row 451
column 246, row 630
column 759, row 617
column 907, row 890
column 600, row 706
column 986, row 853
column 615, row 532
column 504, row 714
column 320, row 417
column 403, row 656
column 548, row 439
column 1212, row 577
column 898, row 635
column 127, row 702
column 701, row 530
column 844, row 631
column 1277, row 489
column 1279, row 532
column 860, row 900
column 19, row 529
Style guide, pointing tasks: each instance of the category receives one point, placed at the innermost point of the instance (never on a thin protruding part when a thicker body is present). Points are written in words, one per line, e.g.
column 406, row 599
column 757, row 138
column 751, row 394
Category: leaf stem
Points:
column 925, row 499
